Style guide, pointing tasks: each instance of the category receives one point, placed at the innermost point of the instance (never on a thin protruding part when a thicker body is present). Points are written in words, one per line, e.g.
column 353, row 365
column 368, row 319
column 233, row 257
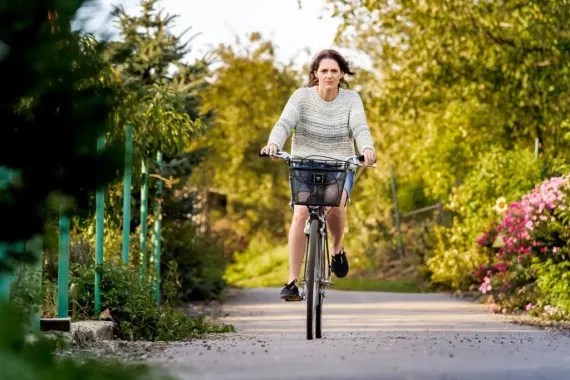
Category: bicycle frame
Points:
column 318, row 213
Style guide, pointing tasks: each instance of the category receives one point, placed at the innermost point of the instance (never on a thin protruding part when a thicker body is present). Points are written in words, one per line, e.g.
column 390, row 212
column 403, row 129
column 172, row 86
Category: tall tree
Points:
column 247, row 95
column 504, row 62
column 165, row 108
column 163, row 89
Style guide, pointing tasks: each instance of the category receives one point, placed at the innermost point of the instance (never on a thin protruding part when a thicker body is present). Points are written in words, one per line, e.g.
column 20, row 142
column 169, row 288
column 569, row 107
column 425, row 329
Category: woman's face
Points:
column 329, row 74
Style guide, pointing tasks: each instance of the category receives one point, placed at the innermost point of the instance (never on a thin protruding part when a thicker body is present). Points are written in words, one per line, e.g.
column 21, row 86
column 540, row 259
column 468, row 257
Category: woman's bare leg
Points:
column 297, row 240
column 335, row 221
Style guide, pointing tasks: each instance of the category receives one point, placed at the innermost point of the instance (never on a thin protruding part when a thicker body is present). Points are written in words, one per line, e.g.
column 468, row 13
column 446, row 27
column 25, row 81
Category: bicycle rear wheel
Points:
column 313, row 293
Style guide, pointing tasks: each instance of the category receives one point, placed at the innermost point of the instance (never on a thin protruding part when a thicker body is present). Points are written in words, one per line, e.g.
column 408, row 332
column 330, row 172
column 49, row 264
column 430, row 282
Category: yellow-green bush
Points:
column 262, row 264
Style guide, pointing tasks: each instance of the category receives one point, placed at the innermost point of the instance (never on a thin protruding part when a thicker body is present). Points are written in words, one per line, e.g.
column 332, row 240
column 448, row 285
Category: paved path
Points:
column 370, row 335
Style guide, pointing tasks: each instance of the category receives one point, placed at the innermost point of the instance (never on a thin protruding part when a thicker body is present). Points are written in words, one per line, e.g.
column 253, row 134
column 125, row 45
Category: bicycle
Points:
column 317, row 184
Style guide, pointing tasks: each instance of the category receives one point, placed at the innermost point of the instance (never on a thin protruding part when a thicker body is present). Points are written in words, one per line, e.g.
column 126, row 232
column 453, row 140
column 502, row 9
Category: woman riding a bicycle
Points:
column 327, row 120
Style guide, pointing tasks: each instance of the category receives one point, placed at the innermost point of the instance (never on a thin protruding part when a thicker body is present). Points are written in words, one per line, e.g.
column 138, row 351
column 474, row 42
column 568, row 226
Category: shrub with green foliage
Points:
column 553, row 288
column 24, row 294
column 499, row 173
column 200, row 262
column 132, row 306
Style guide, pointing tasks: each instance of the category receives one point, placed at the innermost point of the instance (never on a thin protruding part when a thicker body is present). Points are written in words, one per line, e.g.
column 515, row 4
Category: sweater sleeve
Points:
column 286, row 123
column 358, row 125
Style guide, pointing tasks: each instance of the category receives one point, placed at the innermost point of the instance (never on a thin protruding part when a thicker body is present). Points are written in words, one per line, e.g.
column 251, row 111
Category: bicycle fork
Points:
column 325, row 280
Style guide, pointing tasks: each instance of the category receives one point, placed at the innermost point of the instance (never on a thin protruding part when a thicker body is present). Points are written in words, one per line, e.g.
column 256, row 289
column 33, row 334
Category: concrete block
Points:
column 85, row 331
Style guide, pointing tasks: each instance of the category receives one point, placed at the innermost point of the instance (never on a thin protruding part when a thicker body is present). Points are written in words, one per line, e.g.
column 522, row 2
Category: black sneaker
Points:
column 340, row 264
column 290, row 292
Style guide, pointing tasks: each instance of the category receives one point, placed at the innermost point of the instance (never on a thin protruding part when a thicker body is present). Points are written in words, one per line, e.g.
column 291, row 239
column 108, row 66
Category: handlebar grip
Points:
column 361, row 158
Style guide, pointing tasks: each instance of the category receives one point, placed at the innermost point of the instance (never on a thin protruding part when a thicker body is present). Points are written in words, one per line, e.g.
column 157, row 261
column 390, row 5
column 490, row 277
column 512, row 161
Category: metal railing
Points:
column 35, row 246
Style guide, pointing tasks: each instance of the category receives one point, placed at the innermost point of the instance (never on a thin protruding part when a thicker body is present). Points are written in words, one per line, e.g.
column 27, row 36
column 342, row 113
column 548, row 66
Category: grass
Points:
column 259, row 266
column 396, row 285
column 266, row 265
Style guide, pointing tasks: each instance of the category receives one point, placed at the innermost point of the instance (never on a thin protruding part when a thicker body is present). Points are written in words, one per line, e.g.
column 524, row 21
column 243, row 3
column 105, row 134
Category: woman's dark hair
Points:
column 330, row 54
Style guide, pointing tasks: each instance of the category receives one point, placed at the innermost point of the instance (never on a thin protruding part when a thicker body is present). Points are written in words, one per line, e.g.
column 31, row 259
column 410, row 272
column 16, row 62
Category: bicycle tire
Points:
column 318, row 319
column 319, row 309
column 312, row 289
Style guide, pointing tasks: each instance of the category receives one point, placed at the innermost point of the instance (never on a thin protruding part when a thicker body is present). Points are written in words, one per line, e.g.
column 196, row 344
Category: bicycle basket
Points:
column 317, row 183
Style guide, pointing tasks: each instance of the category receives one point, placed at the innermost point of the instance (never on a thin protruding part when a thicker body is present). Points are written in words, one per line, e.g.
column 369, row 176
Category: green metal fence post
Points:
column 99, row 233
column 144, row 215
column 127, row 191
column 156, row 235
column 63, row 268
column 4, row 276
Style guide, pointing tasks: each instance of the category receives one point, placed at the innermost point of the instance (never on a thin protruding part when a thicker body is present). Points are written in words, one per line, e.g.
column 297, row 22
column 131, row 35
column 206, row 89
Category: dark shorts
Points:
column 348, row 184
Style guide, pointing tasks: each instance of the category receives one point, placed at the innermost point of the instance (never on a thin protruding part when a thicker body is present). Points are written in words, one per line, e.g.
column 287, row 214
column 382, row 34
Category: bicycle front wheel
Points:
column 320, row 274
column 313, row 277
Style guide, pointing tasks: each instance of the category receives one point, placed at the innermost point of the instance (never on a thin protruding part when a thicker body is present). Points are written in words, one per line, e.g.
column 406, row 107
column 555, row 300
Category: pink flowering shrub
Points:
column 488, row 237
column 531, row 226
column 533, row 233
column 474, row 205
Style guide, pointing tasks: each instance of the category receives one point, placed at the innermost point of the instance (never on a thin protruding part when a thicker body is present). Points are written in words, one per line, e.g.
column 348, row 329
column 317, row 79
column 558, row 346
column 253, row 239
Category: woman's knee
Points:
column 339, row 210
column 337, row 213
column 300, row 215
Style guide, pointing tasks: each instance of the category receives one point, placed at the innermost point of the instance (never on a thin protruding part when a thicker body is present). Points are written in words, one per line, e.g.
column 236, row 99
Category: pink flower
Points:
column 500, row 267
column 530, row 306
column 486, row 285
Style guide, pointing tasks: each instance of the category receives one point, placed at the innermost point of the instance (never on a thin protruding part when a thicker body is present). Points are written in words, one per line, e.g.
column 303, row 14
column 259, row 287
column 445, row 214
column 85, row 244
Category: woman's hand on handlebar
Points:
column 369, row 156
column 270, row 150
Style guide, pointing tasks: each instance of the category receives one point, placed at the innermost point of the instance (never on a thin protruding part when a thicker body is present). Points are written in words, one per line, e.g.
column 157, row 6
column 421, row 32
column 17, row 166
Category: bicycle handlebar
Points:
column 286, row 156
column 360, row 157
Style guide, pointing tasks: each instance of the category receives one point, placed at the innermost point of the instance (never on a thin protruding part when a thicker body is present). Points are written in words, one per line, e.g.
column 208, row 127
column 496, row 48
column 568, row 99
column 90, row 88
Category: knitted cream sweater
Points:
column 321, row 127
